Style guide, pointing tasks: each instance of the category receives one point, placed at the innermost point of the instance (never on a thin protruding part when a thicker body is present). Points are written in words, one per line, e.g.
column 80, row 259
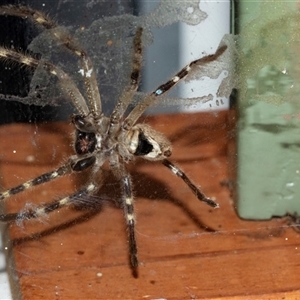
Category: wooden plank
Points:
column 82, row 254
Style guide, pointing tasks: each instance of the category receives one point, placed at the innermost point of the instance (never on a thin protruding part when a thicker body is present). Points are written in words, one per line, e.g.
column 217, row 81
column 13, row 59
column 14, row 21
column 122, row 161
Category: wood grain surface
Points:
column 186, row 249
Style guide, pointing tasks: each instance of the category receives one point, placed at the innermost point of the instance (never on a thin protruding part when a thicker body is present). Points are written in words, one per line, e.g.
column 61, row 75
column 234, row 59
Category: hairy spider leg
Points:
column 43, row 210
column 66, row 83
column 128, row 207
column 74, row 164
column 178, row 172
column 87, row 72
column 46, row 177
column 130, row 90
column 121, row 173
column 139, row 109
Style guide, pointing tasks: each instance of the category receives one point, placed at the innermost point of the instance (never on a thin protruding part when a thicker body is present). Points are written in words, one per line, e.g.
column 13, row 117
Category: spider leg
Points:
column 198, row 193
column 66, row 83
column 74, row 164
column 162, row 89
column 130, row 218
column 46, row 177
column 48, row 208
column 128, row 206
column 87, row 71
column 128, row 93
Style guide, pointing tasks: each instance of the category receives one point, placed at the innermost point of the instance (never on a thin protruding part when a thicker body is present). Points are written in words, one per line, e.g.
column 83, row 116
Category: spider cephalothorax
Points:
column 98, row 138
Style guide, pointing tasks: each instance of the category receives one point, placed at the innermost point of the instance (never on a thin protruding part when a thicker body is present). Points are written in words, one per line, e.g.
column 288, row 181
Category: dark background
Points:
column 17, row 32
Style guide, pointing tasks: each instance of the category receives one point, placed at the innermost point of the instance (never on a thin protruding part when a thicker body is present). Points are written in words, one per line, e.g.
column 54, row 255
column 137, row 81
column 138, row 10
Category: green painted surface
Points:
column 268, row 167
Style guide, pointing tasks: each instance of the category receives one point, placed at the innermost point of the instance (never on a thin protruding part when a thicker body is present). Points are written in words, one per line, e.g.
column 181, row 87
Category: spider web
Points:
column 108, row 42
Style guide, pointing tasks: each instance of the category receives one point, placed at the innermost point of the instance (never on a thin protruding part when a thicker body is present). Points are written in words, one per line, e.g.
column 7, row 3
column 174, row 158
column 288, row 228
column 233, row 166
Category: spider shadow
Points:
column 92, row 206
column 145, row 186
column 163, row 193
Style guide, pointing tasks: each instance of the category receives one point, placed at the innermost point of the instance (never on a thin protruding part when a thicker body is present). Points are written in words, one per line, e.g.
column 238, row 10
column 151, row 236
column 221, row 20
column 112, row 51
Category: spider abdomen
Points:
column 148, row 143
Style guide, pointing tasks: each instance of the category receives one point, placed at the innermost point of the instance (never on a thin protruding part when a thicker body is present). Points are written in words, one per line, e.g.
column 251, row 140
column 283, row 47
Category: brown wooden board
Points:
column 187, row 250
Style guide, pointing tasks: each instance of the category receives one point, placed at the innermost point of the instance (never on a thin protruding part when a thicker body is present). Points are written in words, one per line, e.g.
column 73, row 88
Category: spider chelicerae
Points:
column 117, row 139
